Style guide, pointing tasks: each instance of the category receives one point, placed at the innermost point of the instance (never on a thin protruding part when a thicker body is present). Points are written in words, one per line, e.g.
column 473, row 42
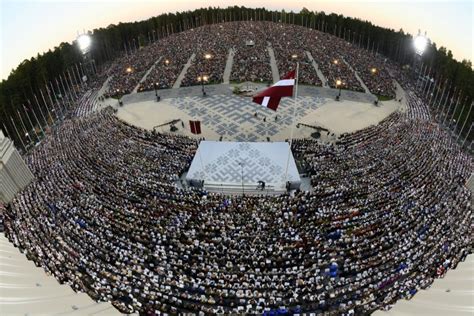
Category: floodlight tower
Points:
column 420, row 43
column 84, row 41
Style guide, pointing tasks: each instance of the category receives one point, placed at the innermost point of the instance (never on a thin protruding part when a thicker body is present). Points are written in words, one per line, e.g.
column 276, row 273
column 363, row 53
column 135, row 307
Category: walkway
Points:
column 146, row 75
column 228, row 66
column 357, row 77
column 178, row 81
column 104, row 87
column 273, row 64
column 27, row 290
column 318, row 71
column 452, row 295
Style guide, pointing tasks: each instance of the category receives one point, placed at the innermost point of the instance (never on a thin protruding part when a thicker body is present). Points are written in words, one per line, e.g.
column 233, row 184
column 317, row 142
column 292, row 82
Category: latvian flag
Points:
column 271, row 97
column 195, row 127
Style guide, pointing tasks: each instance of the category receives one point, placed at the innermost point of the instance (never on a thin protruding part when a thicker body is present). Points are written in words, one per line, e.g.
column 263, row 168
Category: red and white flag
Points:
column 271, row 97
column 195, row 127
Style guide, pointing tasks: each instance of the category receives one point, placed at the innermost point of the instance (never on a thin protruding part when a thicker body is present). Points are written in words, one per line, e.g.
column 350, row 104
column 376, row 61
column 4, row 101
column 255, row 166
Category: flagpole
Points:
column 61, row 108
column 467, row 135
column 295, row 101
column 465, row 121
column 47, row 108
column 292, row 121
column 455, row 109
column 24, row 127
column 432, row 92
column 427, row 87
column 71, row 84
column 7, row 132
column 202, row 165
column 435, row 94
column 31, row 123
column 18, row 134
column 36, row 117
column 448, row 103
column 64, row 97
column 440, row 107
column 41, row 112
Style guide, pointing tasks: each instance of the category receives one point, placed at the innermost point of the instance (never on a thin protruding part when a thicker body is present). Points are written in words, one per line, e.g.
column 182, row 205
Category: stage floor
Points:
column 228, row 165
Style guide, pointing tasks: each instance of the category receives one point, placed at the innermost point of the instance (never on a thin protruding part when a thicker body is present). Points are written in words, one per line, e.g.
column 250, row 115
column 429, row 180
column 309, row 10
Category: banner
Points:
column 195, row 127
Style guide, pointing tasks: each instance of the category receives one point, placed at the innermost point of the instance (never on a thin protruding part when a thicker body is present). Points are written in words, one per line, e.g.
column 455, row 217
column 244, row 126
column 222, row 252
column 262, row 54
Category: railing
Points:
column 250, row 189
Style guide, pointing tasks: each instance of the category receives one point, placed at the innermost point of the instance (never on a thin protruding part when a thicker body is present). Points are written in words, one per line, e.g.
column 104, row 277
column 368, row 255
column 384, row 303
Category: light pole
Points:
column 420, row 42
column 201, row 79
column 129, row 70
column 373, row 70
column 84, row 41
column 339, row 85
column 156, row 86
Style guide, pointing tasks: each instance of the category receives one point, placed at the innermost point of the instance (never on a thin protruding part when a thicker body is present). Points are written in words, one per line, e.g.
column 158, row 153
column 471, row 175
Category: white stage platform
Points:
column 233, row 167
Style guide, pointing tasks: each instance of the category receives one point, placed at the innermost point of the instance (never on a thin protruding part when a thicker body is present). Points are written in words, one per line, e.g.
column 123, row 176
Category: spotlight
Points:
column 420, row 42
column 84, row 42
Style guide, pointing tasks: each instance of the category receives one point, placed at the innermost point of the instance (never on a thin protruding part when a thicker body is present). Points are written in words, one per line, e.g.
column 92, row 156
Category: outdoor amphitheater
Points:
column 352, row 198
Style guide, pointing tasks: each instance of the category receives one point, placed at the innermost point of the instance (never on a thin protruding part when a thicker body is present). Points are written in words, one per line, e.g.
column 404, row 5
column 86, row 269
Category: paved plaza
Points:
column 236, row 118
column 239, row 119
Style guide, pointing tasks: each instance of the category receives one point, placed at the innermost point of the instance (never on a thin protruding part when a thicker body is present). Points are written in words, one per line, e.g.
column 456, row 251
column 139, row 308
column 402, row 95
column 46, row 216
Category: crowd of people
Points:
column 172, row 53
column 211, row 48
column 290, row 44
column 373, row 70
column 388, row 211
column 250, row 42
column 251, row 59
column 127, row 71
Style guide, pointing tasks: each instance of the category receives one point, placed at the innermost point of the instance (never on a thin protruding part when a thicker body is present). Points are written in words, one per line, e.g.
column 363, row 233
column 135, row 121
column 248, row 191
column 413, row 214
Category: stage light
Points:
column 420, row 42
column 84, row 42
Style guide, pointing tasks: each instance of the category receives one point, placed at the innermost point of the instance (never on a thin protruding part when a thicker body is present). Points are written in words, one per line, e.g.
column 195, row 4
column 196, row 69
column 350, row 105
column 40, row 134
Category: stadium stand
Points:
column 389, row 211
